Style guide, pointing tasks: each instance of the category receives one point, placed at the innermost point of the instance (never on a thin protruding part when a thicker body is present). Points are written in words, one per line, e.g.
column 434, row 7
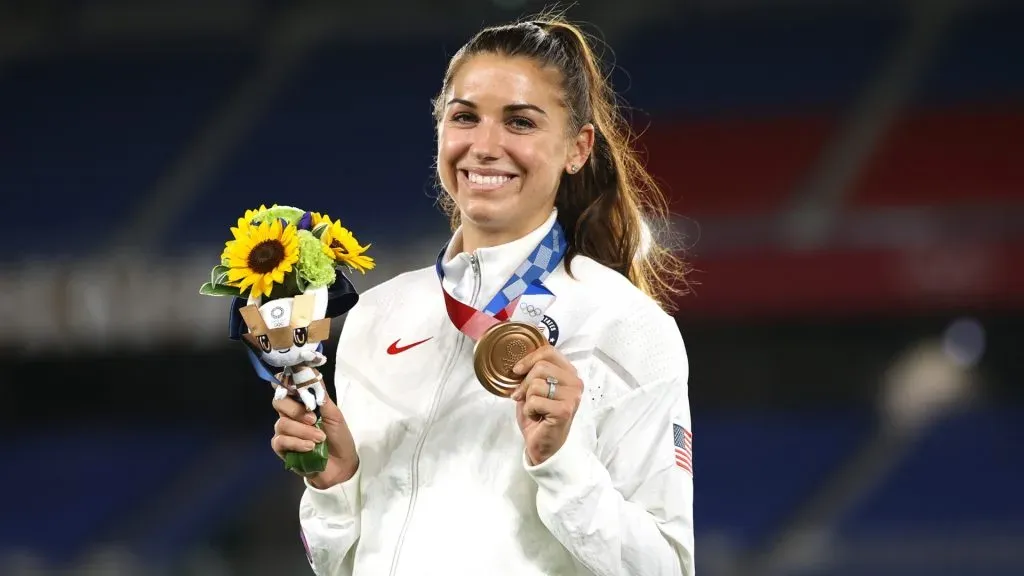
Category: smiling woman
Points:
column 550, row 260
column 504, row 145
column 527, row 121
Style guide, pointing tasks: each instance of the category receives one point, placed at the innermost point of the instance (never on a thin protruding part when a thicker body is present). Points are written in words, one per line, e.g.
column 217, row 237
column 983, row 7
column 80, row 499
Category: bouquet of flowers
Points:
column 284, row 269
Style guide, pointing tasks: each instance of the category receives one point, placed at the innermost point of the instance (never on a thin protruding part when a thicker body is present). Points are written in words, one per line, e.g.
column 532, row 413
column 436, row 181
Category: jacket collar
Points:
column 496, row 264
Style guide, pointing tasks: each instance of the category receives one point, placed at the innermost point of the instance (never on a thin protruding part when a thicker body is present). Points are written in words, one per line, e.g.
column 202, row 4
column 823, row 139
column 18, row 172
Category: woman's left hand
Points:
column 545, row 421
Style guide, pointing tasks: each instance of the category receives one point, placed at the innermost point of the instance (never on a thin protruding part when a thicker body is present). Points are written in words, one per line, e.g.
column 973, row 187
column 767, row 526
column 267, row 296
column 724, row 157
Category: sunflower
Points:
column 261, row 257
column 319, row 218
column 240, row 230
column 342, row 246
column 247, row 220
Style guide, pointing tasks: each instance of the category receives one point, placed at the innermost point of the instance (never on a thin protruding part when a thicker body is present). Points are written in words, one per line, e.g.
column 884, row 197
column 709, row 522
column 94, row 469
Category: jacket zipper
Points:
column 476, row 278
column 475, row 264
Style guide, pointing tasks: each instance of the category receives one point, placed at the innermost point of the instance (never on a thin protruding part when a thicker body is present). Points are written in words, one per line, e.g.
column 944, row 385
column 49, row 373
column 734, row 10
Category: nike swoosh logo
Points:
column 395, row 348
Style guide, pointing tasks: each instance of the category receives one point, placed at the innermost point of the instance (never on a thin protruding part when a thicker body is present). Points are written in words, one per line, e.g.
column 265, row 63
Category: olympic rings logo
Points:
column 530, row 309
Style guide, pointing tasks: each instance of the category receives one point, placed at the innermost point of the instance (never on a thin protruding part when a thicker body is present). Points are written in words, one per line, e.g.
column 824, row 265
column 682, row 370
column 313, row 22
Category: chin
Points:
column 486, row 215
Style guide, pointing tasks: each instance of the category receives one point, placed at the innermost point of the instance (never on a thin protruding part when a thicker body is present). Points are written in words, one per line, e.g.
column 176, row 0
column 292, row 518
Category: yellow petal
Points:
column 245, row 282
column 235, row 274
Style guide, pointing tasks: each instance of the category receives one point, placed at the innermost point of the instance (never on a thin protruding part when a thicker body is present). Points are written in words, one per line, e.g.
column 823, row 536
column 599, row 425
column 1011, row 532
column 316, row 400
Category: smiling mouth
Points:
column 486, row 181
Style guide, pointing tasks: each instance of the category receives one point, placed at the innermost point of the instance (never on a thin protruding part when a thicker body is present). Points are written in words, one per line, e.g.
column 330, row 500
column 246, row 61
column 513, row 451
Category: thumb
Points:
column 330, row 414
column 339, row 438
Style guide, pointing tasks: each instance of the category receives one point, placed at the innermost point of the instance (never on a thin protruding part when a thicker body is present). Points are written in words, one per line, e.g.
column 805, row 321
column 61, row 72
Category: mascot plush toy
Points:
column 284, row 269
column 288, row 333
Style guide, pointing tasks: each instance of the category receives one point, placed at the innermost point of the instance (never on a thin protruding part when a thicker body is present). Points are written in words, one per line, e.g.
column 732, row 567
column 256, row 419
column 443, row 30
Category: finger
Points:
column 288, row 407
column 539, row 371
column 547, row 353
column 542, row 370
column 289, row 427
column 284, row 444
column 541, row 388
column 329, row 410
column 539, row 407
column 565, row 376
column 526, row 363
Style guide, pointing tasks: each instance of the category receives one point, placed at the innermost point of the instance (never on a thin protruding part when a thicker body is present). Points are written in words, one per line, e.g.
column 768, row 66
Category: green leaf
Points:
column 219, row 275
column 301, row 283
column 318, row 231
column 210, row 289
column 286, row 289
column 311, row 462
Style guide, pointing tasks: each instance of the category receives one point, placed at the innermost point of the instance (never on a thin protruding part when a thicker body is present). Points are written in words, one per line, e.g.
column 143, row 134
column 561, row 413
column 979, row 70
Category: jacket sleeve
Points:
column 625, row 508
column 329, row 520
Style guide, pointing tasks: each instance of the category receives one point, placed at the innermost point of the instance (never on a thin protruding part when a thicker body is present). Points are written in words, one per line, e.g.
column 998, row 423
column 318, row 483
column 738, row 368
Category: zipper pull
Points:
column 475, row 264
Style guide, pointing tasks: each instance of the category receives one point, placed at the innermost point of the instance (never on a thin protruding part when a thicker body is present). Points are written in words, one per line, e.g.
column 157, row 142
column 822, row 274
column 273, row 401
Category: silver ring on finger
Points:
column 552, row 382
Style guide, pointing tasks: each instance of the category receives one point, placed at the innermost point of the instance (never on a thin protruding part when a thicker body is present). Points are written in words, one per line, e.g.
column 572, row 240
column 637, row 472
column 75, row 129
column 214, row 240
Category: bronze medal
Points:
column 498, row 350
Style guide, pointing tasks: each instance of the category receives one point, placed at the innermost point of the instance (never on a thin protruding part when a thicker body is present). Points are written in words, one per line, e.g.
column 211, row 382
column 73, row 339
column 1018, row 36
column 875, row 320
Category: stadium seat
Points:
column 85, row 136
column 752, row 470
column 972, row 65
column 962, row 479
column 696, row 162
column 75, row 484
column 350, row 135
column 946, row 158
column 215, row 503
column 752, row 64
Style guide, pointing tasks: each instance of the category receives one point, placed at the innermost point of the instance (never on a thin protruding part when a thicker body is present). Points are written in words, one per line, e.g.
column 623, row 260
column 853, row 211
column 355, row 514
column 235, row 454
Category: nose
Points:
column 488, row 139
column 285, row 351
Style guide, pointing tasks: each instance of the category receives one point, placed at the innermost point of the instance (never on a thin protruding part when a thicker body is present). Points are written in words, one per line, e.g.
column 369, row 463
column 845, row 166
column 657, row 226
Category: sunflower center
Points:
column 339, row 247
column 265, row 256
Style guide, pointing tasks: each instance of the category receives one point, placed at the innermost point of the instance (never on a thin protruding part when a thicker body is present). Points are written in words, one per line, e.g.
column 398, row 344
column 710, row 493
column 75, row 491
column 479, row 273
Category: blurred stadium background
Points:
column 848, row 178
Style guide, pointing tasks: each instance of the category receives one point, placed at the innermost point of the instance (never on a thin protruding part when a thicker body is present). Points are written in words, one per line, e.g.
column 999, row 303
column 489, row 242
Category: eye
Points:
column 521, row 124
column 463, row 118
column 264, row 342
column 300, row 336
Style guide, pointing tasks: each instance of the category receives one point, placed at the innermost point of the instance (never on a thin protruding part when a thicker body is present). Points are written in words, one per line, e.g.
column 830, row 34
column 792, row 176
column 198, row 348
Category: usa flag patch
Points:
column 683, row 441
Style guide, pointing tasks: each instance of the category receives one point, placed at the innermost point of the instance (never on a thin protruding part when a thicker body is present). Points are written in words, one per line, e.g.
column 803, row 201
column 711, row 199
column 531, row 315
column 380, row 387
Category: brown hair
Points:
column 605, row 207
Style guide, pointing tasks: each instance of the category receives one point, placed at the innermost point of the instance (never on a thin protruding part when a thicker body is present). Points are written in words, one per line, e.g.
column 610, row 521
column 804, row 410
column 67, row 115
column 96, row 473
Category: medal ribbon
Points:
column 523, row 298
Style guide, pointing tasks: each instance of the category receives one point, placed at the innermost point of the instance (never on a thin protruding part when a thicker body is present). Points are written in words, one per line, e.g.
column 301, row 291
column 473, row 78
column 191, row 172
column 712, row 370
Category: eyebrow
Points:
column 508, row 108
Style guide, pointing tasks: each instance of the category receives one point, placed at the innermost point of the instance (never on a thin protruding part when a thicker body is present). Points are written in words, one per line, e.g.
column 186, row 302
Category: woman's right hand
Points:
column 294, row 432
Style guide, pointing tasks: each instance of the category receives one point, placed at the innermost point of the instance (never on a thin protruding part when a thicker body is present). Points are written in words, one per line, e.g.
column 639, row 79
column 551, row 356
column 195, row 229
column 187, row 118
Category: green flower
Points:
column 291, row 215
column 314, row 266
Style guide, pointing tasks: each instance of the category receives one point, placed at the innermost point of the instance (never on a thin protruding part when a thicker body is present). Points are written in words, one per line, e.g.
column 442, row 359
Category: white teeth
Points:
column 488, row 180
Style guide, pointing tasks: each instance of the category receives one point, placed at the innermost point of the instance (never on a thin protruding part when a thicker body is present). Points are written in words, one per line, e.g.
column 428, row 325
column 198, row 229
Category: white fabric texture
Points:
column 444, row 486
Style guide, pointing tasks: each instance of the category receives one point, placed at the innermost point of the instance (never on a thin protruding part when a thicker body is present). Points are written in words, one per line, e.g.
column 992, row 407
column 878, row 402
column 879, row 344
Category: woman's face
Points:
column 503, row 145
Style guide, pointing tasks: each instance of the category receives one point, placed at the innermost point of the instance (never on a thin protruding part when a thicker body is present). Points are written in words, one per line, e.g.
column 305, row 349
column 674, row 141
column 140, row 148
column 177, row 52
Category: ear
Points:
column 250, row 340
column 319, row 330
column 253, row 320
column 580, row 149
column 302, row 310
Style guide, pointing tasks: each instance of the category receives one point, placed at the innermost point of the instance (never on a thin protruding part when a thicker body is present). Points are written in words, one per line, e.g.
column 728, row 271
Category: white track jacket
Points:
column 443, row 486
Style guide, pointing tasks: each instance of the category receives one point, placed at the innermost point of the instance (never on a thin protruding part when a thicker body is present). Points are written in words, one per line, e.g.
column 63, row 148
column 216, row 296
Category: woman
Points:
column 586, row 468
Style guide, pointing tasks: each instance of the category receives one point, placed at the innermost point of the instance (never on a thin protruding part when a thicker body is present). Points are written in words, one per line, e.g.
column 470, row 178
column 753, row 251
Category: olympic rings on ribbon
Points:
column 530, row 309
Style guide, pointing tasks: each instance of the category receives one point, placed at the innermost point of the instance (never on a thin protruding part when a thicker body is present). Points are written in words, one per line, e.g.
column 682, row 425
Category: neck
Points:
column 474, row 237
